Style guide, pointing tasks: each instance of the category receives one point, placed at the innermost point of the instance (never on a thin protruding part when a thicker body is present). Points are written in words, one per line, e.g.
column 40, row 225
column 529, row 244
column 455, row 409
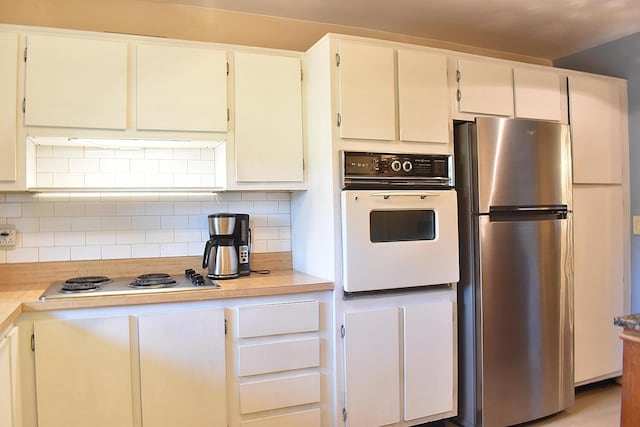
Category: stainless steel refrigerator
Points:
column 513, row 179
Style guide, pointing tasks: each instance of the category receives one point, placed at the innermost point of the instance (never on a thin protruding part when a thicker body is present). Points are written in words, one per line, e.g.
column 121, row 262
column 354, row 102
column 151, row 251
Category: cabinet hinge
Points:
column 459, row 95
column 458, row 75
column 344, row 414
column 227, row 68
column 33, row 342
column 339, row 119
column 337, row 59
column 342, row 331
column 25, row 54
column 225, row 326
column 24, row 105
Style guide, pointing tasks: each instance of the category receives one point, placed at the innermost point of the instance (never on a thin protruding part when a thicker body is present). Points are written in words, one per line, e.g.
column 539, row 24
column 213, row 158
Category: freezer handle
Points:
column 523, row 213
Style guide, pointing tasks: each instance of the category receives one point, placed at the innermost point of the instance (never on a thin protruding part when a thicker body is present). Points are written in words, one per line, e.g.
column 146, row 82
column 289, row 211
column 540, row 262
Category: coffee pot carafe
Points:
column 226, row 254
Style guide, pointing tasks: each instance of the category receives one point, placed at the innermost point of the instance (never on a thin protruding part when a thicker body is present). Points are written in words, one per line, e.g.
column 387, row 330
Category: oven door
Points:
column 399, row 239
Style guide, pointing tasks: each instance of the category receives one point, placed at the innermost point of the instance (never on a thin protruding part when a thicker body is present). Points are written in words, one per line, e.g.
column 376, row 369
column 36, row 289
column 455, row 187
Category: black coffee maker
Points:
column 226, row 254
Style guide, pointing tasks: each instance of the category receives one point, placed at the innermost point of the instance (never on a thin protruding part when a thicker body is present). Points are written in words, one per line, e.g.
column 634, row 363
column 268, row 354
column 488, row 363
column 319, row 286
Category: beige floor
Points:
column 598, row 406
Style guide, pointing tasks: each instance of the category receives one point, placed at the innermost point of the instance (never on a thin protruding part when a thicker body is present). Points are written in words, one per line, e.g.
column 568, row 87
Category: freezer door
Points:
column 522, row 163
column 526, row 331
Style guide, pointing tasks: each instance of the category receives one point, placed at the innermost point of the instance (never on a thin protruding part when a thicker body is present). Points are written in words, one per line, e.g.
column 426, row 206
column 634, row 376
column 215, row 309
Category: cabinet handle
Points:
column 459, row 95
column 458, row 75
column 339, row 119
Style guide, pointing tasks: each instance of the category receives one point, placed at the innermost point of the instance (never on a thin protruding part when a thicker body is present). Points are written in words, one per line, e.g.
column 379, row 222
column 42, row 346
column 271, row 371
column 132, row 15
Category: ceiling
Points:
column 547, row 29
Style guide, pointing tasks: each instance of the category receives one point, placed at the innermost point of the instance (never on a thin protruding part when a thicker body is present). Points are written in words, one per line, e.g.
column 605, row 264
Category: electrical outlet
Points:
column 636, row 224
column 7, row 235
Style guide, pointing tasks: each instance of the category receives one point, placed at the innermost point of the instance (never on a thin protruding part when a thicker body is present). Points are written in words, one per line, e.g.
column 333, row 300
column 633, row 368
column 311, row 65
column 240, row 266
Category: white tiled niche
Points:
column 111, row 225
column 135, row 167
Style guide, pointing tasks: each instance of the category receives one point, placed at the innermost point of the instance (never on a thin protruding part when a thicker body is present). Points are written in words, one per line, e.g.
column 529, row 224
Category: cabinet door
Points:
column 83, row 372
column 372, row 367
column 428, row 359
column 181, row 88
column 268, row 118
column 182, row 368
column 6, row 384
column 596, row 116
column 76, row 82
column 423, row 97
column 8, row 111
column 537, row 94
column 485, row 88
column 598, row 277
column 367, row 91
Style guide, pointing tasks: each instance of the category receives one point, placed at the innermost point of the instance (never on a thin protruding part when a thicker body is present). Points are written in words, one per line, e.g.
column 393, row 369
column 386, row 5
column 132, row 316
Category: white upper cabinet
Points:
column 485, row 87
column 597, row 125
column 423, row 98
column 76, row 82
column 268, row 118
column 181, row 88
column 8, row 110
column 366, row 91
column 537, row 94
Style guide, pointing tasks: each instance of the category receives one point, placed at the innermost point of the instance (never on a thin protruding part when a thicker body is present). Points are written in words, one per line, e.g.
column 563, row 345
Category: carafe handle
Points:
column 207, row 251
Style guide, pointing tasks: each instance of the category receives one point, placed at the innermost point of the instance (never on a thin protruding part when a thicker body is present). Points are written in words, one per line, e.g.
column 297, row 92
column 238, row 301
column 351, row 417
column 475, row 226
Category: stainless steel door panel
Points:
column 522, row 163
column 527, row 311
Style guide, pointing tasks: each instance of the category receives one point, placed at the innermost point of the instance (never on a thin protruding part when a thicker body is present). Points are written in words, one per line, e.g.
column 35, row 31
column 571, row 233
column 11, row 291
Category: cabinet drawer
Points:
column 279, row 393
column 279, row 356
column 309, row 418
column 274, row 319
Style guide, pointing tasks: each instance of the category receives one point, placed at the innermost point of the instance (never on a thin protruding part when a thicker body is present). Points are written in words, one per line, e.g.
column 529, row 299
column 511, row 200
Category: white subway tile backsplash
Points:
column 58, row 253
column 189, row 154
column 10, row 210
column 101, row 238
column 200, row 166
column 173, row 166
column 130, row 180
column 44, row 179
column 51, row 164
column 116, row 251
column 84, row 165
column 159, row 236
column 132, row 153
column 69, row 209
column 148, row 250
column 99, row 180
column 44, row 151
column 101, row 226
column 124, row 237
column 174, row 221
column 145, row 222
column 37, row 209
column 114, row 166
column 116, row 223
column 22, row 255
column 36, row 240
column 145, row 166
column 207, row 154
column 67, row 152
column 61, row 223
column 158, row 153
column 174, row 249
column 69, row 238
column 99, row 153
column 69, row 180
column 189, row 180
column 86, row 223
column 81, row 253
column 158, row 180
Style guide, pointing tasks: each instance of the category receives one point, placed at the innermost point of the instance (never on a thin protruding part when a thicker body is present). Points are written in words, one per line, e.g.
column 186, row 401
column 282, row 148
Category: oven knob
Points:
column 396, row 166
column 407, row 166
column 189, row 272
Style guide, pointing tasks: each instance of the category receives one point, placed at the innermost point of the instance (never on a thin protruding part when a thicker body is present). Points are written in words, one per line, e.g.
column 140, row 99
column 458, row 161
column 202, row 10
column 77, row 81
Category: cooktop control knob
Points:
column 396, row 166
column 407, row 166
column 190, row 272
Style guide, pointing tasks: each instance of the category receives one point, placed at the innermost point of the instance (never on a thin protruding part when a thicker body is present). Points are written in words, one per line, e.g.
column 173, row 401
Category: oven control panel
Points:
column 385, row 170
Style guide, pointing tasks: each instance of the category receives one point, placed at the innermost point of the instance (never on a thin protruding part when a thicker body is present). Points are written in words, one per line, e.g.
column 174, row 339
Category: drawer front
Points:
column 279, row 356
column 279, row 393
column 275, row 319
column 309, row 418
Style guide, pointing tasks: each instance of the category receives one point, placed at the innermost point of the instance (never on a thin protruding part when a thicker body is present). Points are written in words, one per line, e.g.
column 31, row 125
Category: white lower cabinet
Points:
column 164, row 368
column 276, row 365
column 399, row 364
column 182, row 368
column 83, row 372
column 9, row 414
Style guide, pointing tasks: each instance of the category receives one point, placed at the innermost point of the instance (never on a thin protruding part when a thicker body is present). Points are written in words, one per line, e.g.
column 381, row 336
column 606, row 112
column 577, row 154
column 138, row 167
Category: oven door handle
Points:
column 389, row 194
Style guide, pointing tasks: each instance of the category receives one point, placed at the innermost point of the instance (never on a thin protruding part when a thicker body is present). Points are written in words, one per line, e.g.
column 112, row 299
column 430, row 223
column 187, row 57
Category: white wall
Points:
column 109, row 226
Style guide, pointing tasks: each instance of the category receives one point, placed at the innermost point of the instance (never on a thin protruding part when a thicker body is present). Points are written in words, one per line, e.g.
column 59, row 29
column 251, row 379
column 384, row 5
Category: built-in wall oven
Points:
column 399, row 221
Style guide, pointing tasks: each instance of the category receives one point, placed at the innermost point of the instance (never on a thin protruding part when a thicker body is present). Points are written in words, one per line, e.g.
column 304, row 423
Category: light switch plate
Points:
column 7, row 235
column 636, row 224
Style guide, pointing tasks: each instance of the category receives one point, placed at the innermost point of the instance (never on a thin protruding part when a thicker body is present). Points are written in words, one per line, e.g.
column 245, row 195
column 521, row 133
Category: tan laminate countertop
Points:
column 17, row 297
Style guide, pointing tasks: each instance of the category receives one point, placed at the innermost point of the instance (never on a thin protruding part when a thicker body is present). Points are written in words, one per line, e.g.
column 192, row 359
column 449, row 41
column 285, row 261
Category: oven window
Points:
column 402, row 226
